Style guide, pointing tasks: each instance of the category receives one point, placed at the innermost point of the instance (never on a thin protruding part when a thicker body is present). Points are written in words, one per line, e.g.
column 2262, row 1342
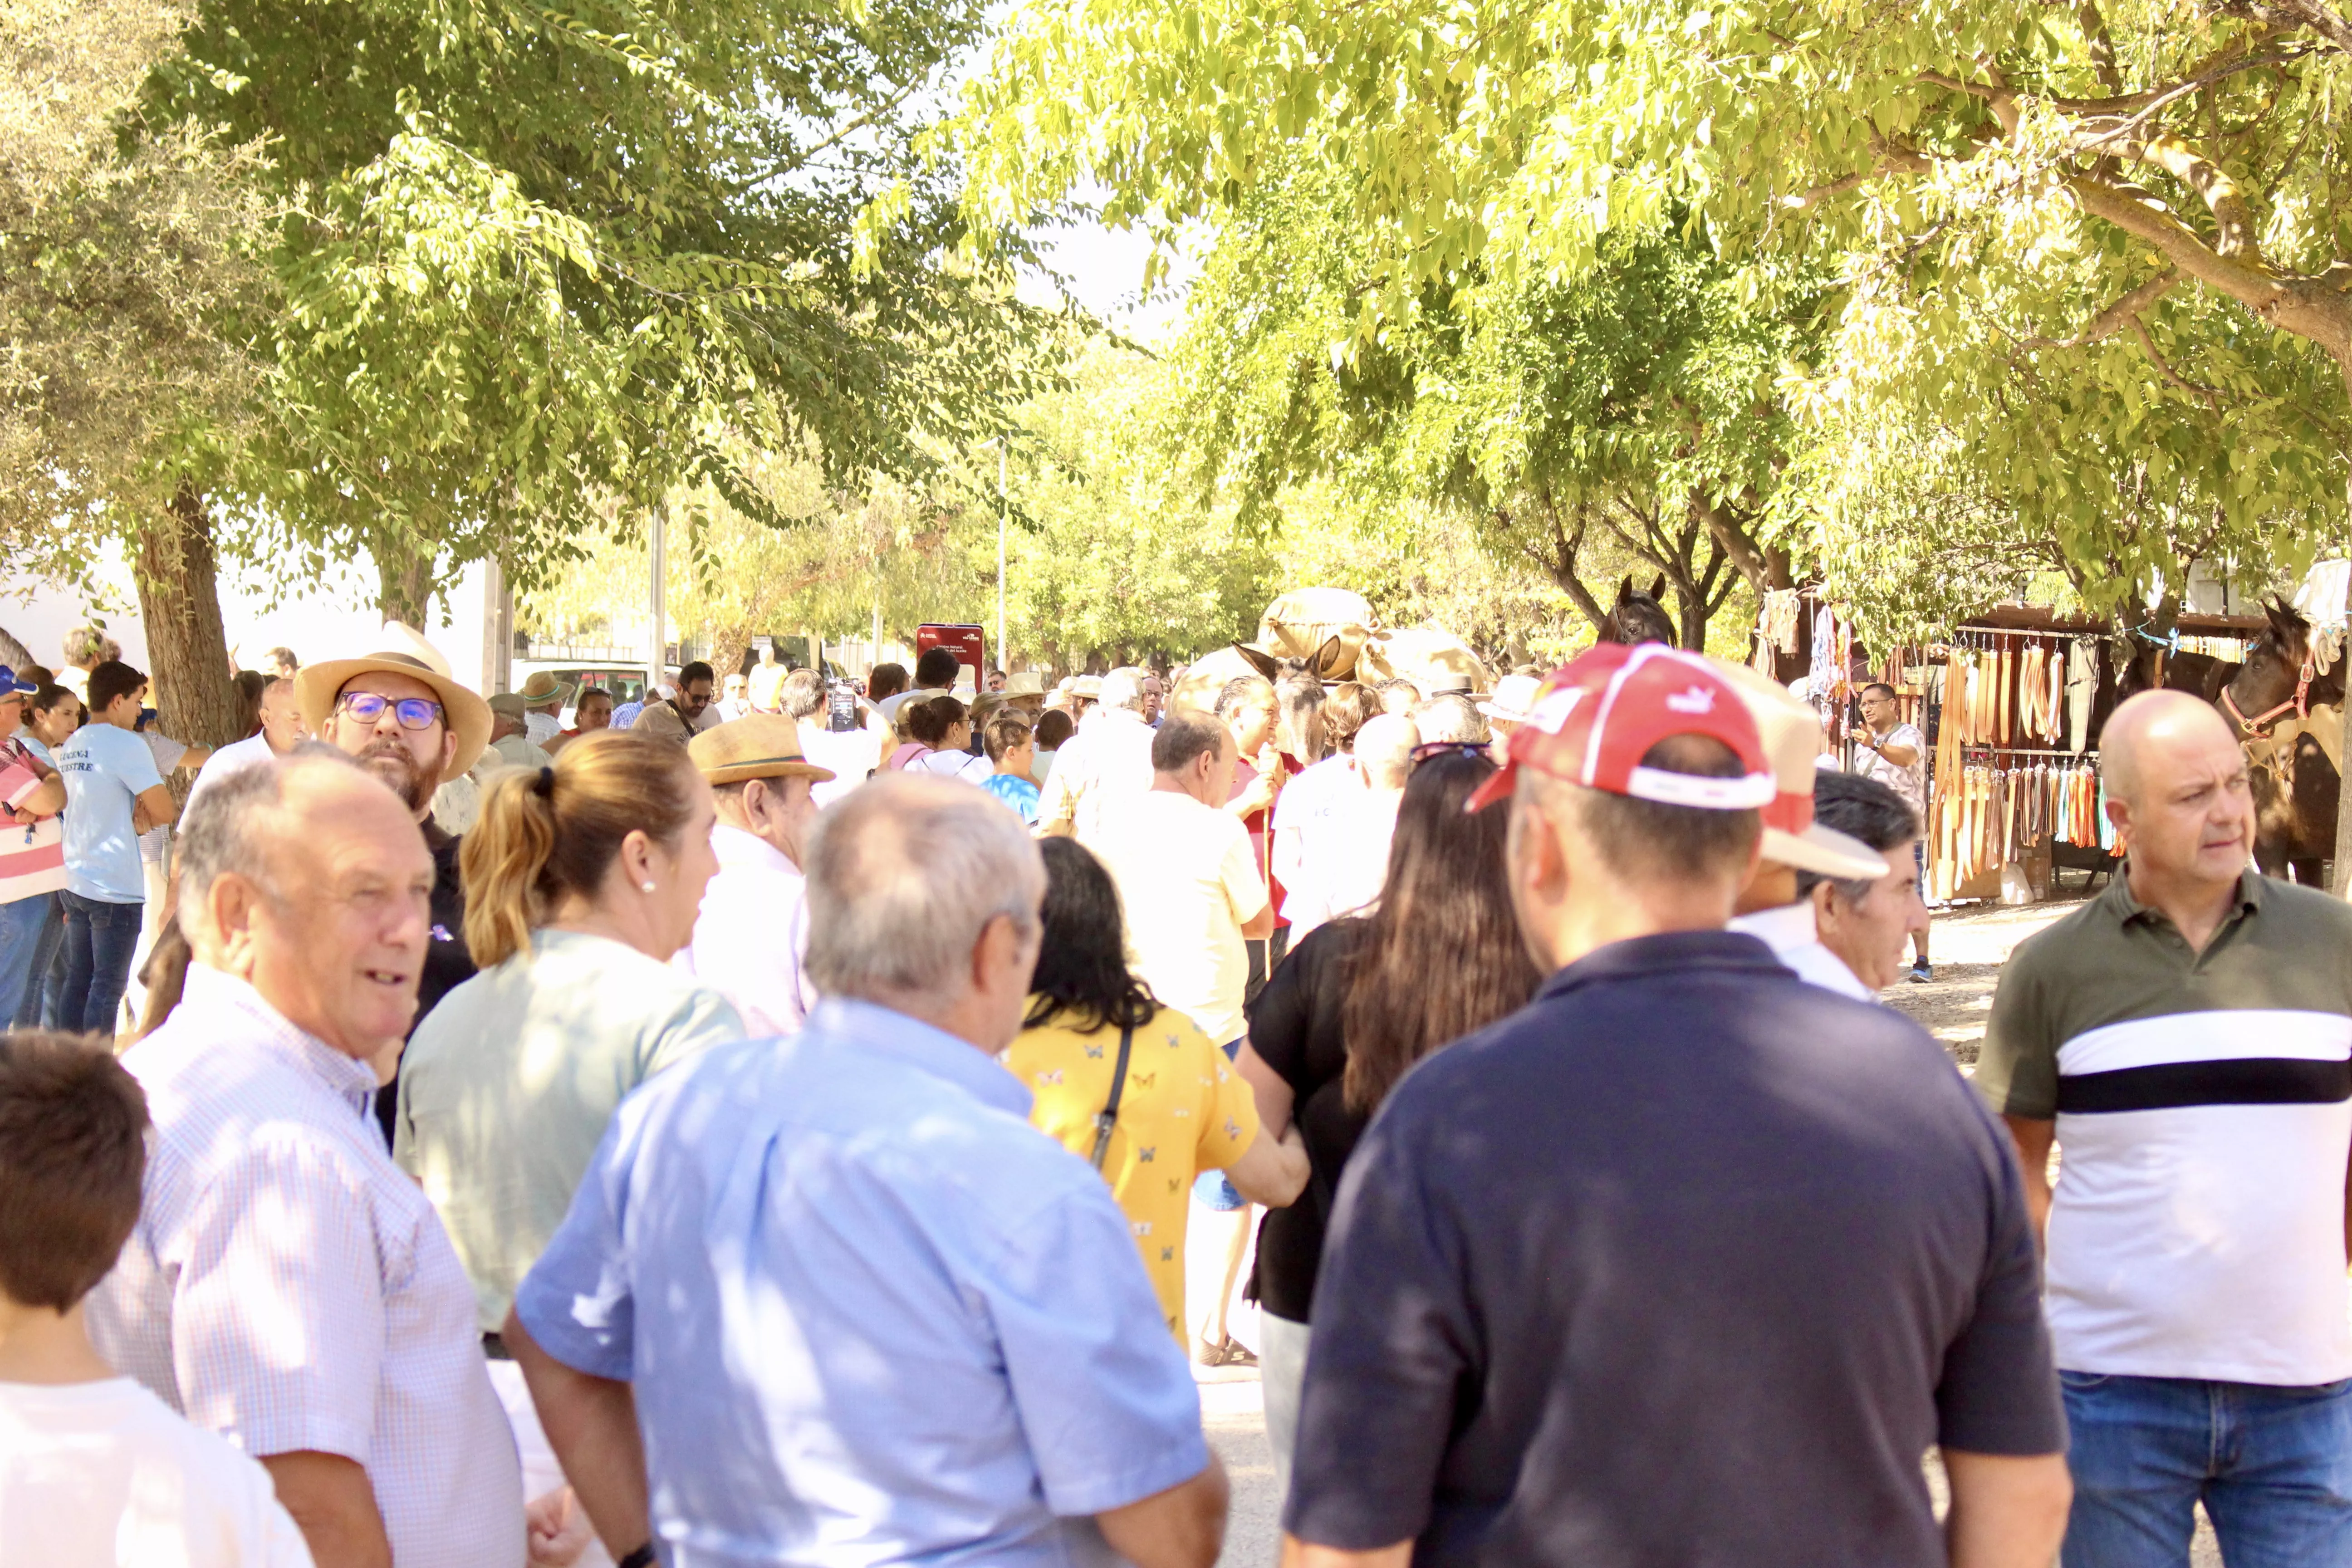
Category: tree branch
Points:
column 2112, row 320
column 2206, row 394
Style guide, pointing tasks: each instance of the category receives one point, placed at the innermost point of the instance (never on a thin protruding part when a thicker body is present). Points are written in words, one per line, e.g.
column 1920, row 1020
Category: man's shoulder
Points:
column 2077, row 941
column 2308, row 914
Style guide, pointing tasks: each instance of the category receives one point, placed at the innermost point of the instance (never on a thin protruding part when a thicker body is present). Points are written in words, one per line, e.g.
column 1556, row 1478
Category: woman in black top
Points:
column 1356, row 1004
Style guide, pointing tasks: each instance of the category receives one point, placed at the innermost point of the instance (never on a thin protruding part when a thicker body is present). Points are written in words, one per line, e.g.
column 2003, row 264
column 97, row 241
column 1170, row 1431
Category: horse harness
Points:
column 2257, row 727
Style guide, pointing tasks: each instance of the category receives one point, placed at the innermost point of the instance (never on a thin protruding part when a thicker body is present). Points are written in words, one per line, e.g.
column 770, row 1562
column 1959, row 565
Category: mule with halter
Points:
column 2271, row 702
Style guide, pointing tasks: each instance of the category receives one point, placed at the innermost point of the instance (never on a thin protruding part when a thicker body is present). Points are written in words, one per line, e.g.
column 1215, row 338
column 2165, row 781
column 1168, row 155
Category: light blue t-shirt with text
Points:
column 106, row 770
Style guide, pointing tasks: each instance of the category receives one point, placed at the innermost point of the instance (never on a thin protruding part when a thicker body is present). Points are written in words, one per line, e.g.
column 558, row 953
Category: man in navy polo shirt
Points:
column 1687, row 1262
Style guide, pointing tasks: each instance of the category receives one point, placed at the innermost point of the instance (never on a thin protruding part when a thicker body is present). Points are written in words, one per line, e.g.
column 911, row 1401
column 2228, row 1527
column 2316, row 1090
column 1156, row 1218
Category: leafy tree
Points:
column 1626, row 420
column 124, row 256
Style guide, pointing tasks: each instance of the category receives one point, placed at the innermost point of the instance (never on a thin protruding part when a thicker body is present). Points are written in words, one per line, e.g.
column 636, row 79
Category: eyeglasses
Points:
column 367, row 707
column 1429, row 749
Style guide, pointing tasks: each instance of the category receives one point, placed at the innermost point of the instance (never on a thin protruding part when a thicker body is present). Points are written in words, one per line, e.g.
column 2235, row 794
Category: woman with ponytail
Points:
column 582, row 879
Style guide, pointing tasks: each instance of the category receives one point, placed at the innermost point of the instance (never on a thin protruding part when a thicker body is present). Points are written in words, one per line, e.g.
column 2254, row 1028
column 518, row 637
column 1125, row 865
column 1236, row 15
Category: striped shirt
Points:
column 2203, row 1103
column 288, row 1287
column 32, row 855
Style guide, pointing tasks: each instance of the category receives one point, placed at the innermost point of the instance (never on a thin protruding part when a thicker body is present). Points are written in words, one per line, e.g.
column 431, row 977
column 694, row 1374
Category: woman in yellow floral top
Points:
column 1183, row 1108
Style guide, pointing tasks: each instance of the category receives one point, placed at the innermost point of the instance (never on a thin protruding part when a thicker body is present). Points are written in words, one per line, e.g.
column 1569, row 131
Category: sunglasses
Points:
column 1429, row 749
column 367, row 707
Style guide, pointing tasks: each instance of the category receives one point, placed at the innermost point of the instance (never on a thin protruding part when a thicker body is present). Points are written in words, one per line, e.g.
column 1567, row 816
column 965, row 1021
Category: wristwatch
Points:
column 642, row 1557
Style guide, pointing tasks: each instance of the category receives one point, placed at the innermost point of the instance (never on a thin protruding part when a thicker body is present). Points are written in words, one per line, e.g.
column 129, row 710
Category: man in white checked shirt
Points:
column 288, row 1287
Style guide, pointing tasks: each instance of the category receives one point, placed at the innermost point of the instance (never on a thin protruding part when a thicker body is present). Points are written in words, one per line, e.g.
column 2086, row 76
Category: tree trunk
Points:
column 2341, row 879
column 1692, row 604
column 179, row 604
column 404, row 590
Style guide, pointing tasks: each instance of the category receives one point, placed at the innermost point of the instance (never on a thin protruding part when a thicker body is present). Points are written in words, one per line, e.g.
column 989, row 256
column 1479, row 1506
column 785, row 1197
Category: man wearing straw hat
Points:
column 754, row 927
column 543, row 697
column 1772, row 908
column 396, row 707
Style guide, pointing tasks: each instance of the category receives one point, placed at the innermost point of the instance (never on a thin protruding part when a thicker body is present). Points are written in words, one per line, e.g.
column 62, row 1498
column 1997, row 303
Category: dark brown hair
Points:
column 928, row 720
column 1053, row 727
column 73, row 1147
column 546, row 832
column 885, row 681
column 164, row 974
column 1081, row 957
column 111, row 681
column 1442, row 957
column 250, row 685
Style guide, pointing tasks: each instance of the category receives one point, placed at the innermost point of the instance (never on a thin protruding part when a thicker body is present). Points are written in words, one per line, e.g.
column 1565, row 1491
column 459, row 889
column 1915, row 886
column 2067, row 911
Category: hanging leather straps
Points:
column 1107, row 1117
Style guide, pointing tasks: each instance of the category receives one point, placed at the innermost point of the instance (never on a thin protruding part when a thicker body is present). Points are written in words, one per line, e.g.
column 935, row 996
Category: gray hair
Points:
column 904, row 874
column 1450, row 716
column 801, row 693
column 1122, row 689
column 227, row 830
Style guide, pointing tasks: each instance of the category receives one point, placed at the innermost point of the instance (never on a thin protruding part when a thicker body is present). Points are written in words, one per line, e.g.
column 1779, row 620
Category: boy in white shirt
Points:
column 94, row 1469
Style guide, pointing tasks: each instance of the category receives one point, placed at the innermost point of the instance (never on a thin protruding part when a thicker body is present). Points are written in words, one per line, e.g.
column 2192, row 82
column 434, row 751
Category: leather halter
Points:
column 2299, row 705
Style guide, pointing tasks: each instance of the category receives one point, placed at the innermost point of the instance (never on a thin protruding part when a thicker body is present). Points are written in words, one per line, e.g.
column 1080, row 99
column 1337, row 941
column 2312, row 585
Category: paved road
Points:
column 1237, row 1423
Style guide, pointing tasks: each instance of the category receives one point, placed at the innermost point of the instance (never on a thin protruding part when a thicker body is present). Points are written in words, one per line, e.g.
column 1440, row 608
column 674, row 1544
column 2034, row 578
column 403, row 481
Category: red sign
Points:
column 969, row 643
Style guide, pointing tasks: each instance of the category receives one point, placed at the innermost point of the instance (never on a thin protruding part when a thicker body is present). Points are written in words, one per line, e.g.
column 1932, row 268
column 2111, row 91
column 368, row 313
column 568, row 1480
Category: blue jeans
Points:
column 100, row 940
column 2274, row 1467
column 46, row 983
column 21, row 924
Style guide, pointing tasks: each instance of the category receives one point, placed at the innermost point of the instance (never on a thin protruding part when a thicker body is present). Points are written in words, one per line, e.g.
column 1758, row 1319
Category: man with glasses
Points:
column 399, row 711
column 1896, row 754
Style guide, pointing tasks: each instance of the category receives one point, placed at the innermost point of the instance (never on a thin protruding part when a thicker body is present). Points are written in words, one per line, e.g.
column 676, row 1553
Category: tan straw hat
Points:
column 1792, row 739
column 1023, row 683
column 398, row 649
column 542, row 688
column 1513, row 696
column 756, row 746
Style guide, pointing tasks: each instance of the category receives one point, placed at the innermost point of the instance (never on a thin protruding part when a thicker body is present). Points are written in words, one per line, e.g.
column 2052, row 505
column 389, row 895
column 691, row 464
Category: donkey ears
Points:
column 1330, row 657
column 1265, row 663
column 2285, row 618
column 1658, row 588
column 1625, row 591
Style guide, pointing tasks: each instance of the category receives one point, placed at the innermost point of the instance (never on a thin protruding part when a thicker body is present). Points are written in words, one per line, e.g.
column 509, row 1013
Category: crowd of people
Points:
column 768, row 1122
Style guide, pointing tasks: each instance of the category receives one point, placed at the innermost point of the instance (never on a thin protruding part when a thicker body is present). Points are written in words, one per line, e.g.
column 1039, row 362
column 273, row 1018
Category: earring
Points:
column 648, row 887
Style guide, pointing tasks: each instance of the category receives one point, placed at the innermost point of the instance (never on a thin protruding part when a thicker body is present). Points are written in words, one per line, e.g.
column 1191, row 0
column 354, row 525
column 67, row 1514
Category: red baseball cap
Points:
column 1596, row 716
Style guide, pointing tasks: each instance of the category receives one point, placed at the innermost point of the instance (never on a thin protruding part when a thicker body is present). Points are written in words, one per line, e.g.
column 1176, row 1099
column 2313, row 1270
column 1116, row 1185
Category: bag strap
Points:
column 1107, row 1117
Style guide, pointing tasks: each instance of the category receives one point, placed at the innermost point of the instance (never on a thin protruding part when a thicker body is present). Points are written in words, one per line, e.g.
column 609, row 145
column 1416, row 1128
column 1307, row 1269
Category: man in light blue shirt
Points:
column 113, row 793
column 859, row 1310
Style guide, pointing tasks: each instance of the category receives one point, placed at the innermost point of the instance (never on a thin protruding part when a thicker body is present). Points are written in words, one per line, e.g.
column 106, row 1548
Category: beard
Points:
column 393, row 763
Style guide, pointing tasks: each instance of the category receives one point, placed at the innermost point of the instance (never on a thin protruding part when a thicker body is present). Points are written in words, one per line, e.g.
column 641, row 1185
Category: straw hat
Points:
column 1086, row 686
column 756, row 746
column 1513, row 696
column 397, row 649
column 511, row 705
column 1792, row 739
column 1023, row 683
column 542, row 688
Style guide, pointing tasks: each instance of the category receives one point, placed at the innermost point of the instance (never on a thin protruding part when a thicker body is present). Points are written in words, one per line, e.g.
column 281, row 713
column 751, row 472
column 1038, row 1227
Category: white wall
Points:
column 259, row 611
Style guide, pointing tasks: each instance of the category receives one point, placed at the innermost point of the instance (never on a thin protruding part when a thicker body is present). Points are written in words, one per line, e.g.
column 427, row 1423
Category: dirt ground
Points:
column 1968, row 946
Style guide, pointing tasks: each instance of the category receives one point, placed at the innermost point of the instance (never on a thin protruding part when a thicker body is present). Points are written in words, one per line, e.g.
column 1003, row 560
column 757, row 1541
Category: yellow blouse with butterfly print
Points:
column 1185, row 1110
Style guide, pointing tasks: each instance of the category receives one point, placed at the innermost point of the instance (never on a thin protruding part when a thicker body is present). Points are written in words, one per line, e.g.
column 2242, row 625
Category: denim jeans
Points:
column 1210, row 1186
column 46, row 983
column 2274, row 1467
column 100, row 940
column 20, row 944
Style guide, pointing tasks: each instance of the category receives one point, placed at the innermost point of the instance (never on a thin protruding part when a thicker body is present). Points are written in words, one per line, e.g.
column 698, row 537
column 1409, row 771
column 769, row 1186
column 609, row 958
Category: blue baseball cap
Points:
column 14, row 685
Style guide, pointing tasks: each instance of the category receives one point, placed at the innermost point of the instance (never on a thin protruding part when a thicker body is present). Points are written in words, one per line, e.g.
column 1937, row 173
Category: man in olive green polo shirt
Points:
column 2187, row 1038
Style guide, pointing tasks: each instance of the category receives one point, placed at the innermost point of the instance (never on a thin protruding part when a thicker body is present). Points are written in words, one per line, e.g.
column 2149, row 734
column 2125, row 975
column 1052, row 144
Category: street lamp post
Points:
column 657, row 598
column 1004, row 653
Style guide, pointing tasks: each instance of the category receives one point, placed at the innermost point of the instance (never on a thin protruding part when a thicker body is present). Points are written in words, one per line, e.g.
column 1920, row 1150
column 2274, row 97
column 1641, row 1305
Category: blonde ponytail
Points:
column 502, row 861
column 545, row 833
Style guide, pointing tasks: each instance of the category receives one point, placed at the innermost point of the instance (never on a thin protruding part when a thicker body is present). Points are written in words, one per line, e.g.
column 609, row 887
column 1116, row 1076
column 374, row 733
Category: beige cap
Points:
column 1792, row 739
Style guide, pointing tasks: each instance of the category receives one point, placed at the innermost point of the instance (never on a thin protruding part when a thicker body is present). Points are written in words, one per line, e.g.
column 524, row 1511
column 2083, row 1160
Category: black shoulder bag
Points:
column 1107, row 1117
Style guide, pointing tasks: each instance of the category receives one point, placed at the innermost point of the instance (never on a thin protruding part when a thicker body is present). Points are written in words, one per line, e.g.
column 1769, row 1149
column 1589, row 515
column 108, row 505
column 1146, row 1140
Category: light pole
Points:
column 657, row 599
